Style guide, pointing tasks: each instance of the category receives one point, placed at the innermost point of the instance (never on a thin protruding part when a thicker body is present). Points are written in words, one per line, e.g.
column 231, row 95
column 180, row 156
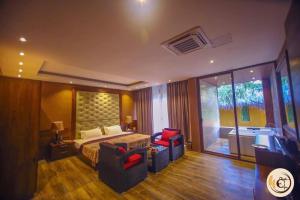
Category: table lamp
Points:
column 128, row 121
column 57, row 127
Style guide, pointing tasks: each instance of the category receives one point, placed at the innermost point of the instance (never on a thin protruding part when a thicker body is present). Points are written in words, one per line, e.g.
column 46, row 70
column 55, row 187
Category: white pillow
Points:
column 91, row 133
column 111, row 130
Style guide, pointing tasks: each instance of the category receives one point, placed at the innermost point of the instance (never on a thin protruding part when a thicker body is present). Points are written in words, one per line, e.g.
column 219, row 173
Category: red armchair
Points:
column 171, row 138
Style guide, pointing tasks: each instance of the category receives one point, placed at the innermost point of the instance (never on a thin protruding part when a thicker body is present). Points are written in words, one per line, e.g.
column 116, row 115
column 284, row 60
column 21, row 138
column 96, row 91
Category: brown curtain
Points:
column 143, row 107
column 178, row 109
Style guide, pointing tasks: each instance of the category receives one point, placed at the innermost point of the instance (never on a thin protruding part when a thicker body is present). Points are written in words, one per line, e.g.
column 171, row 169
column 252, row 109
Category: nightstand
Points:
column 61, row 150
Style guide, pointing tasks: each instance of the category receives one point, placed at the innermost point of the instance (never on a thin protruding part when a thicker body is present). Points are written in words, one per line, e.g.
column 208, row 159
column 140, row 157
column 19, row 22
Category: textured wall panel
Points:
column 95, row 109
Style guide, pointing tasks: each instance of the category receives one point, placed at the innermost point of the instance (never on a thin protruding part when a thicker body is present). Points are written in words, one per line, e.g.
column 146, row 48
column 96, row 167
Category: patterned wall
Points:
column 95, row 109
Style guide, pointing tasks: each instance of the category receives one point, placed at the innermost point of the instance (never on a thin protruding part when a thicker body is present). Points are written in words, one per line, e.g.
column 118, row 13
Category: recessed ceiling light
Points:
column 142, row 1
column 169, row 81
column 251, row 71
column 19, row 76
column 71, row 82
column 21, row 63
column 215, row 77
column 211, row 61
column 22, row 39
column 21, row 53
column 253, row 78
column 20, row 70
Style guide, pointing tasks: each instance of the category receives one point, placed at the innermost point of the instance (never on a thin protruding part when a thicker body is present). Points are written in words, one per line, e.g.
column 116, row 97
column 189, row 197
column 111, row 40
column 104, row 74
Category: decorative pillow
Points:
column 91, row 133
column 167, row 134
column 122, row 150
column 111, row 130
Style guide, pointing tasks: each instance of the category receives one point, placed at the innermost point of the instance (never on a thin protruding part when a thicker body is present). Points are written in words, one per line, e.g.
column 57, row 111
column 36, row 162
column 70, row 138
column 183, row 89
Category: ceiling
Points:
column 260, row 72
column 120, row 41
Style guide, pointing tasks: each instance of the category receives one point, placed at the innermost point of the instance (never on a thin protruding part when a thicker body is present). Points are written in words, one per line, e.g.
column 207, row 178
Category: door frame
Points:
column 238, row 157
column 235, row 116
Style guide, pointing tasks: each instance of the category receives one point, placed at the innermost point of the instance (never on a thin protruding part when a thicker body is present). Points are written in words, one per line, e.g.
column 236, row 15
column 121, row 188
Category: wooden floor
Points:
column 195, row 176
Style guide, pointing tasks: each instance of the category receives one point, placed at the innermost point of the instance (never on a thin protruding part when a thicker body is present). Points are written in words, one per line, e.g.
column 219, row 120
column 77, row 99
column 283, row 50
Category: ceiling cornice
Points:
column 44, row 72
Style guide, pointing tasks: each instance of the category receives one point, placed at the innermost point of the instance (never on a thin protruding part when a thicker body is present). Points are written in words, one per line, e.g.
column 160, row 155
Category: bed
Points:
column 88, row 149
column 96, row 112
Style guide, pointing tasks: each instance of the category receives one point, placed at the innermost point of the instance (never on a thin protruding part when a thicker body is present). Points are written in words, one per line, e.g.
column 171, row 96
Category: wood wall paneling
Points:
column 19, row 125
column 127, row 107
column 194, row 114
column 56, row 105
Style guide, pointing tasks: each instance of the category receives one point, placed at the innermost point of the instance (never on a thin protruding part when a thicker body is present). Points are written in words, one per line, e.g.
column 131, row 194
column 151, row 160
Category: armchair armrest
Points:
column 108, row 146
column 108, row 154
column 176, row 137
column 155, row 135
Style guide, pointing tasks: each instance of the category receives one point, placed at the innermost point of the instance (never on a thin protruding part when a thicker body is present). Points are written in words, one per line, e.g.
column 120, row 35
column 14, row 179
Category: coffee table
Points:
column 158, row 157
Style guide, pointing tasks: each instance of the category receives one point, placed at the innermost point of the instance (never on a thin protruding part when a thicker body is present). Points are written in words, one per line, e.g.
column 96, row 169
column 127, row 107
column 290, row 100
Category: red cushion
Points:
column 167, row 134
column 122, row 150
column 132, row 160
column 134, row 157
column 166, row 144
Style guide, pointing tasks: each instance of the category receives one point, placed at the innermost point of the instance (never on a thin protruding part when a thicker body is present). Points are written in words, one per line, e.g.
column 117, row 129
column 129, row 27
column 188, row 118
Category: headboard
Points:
column 96, row 109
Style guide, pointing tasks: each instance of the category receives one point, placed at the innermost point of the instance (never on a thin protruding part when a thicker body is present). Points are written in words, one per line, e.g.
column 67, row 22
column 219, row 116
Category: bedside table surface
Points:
column 65, row 142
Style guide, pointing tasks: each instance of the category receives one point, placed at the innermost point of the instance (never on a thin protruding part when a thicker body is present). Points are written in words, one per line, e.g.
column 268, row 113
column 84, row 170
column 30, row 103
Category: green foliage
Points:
column 247, row 94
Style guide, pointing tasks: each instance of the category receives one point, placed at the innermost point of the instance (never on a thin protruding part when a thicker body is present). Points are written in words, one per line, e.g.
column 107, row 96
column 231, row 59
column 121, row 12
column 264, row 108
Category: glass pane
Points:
column 286, row 95
column 217, row 112
column 253, row 101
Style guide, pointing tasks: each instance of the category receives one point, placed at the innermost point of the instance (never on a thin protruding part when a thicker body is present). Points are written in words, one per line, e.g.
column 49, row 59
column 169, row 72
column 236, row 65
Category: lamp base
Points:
column 58, row 138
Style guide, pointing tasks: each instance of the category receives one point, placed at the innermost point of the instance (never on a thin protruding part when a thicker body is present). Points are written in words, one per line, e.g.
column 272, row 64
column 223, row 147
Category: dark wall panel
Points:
column 293, row 47
column 19, row 125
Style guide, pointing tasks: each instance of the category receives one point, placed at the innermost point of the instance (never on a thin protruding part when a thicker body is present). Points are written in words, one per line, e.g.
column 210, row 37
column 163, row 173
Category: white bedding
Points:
column 79, row 142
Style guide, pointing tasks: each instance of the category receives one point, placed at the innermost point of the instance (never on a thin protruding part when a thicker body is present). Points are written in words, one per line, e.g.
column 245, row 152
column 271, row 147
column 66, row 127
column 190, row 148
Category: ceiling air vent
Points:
column 188, row 41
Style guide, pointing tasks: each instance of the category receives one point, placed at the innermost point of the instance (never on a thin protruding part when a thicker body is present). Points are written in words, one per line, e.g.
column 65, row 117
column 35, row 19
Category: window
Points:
column 160, row 108
column 249, row 100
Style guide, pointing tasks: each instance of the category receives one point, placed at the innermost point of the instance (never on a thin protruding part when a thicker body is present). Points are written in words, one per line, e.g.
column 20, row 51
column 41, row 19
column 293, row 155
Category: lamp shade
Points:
column 128, row 119
column 57, row 126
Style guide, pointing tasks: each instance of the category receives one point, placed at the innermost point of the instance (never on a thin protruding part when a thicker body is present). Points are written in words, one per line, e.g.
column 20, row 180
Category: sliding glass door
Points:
column 254, row 106
column 237, row 107
column 218, row 118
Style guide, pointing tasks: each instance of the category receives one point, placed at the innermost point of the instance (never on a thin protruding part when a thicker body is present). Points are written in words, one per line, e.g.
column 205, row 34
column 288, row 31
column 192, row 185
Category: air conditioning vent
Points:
column 187, row 42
